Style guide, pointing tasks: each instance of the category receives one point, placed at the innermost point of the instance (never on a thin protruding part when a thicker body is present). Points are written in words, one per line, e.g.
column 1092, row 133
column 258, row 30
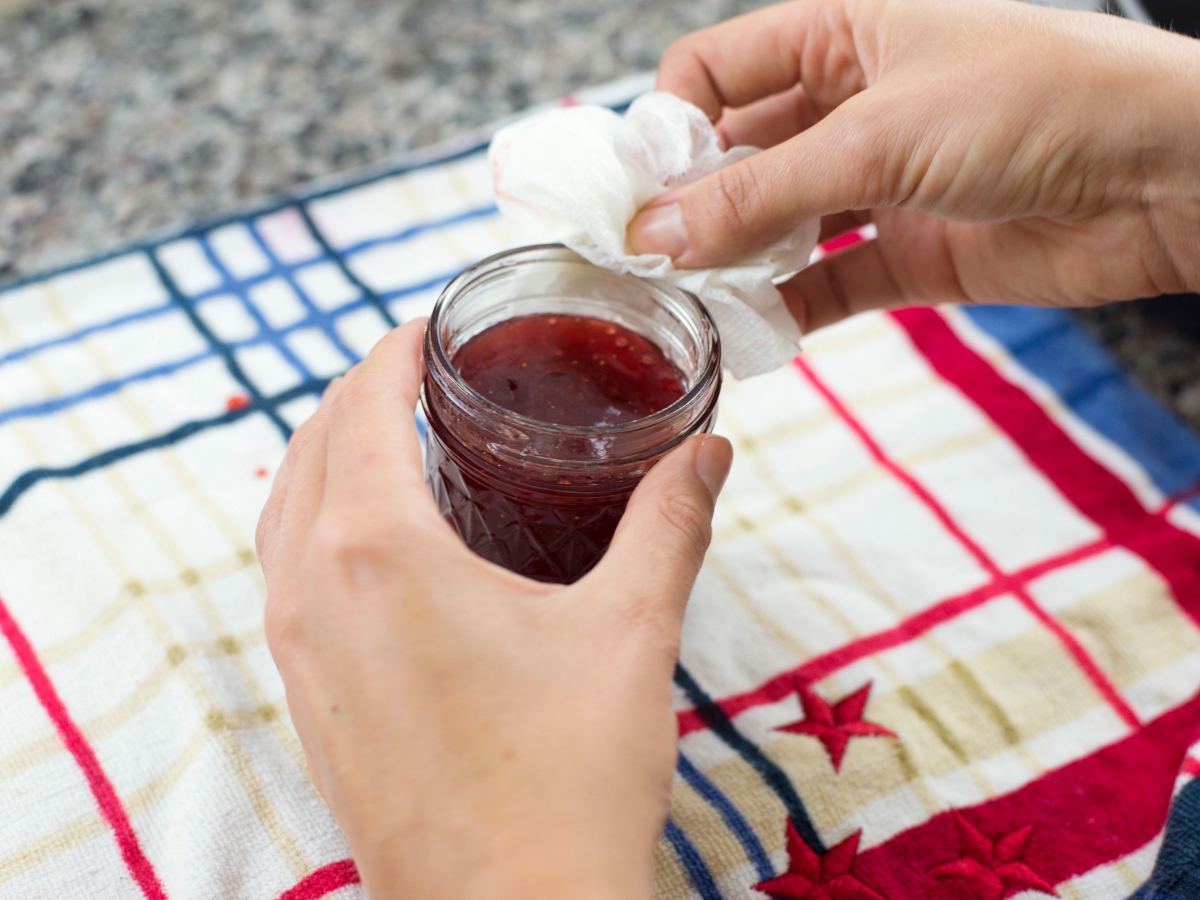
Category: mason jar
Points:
column 537, row 498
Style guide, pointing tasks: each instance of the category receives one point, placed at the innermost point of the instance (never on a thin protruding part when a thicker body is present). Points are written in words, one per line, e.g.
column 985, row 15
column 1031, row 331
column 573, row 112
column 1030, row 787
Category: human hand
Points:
column 478, row 736
column 1006, row 153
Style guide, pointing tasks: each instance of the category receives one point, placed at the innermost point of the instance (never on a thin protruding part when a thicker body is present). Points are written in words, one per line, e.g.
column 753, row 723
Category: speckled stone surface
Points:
column 1158, row 343
column 120, row 119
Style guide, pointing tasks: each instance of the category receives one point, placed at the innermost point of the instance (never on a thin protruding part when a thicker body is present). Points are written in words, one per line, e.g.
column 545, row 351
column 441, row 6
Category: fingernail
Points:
column 659, row 229
column 713, row 458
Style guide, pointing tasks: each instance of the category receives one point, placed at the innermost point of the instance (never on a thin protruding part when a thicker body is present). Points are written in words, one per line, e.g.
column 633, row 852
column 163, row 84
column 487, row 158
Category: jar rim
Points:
column 434, row 346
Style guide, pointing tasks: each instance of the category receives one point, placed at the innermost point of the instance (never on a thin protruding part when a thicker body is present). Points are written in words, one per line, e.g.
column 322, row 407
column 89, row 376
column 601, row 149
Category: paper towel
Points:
column 578, row 175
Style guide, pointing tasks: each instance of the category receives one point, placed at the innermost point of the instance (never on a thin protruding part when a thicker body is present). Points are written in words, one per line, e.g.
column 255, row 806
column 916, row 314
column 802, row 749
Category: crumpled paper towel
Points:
column 577, row 175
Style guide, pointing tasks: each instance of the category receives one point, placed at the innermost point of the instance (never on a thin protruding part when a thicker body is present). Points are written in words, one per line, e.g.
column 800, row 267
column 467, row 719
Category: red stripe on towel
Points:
column 1089, row 486
column 324, row 880
column 842, row 241
column 136, row 862
column 826, row 664
column 1093, row 672
column 1087, row 813
column 1131, row 526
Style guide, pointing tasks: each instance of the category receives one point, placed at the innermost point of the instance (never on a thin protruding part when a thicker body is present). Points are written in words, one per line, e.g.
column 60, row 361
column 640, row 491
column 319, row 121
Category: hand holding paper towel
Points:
column 578, row 175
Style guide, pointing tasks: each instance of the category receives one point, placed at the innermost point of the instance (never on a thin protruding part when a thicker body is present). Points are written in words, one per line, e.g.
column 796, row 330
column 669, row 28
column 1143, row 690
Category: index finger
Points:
column 373, row 445
column 767, row 52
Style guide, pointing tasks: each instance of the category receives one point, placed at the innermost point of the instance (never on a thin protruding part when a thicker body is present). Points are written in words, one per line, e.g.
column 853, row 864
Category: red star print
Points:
column 829, row 876
column 835, row 726
column 993, row 869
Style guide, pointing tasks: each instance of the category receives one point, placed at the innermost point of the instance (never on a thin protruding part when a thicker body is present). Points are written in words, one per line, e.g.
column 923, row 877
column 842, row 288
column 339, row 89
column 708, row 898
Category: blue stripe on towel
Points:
column 1051, row 345
column 729, row 813
column 269, row 406
column 103, row 389
column 775, row 778
column 693, row 864
column 231, row 364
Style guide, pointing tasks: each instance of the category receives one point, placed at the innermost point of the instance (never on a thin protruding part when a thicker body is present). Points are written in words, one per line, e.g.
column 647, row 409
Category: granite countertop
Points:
column 120, row 119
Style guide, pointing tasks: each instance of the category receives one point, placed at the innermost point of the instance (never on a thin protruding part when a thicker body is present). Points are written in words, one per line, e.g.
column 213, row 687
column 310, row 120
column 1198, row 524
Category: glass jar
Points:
column 538, row 498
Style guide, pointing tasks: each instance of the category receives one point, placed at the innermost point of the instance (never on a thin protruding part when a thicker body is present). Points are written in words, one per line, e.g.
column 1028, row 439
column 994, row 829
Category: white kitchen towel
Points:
column 945, row 642
column 578, row 175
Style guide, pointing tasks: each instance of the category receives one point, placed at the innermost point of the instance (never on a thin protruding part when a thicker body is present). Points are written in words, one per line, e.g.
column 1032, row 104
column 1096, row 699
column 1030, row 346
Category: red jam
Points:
column 570, row 370
column 565, row 370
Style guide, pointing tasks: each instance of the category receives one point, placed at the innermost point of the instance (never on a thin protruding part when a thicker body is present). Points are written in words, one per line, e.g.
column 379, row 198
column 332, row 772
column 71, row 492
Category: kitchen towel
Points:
column 578, row 174
column 944, row 645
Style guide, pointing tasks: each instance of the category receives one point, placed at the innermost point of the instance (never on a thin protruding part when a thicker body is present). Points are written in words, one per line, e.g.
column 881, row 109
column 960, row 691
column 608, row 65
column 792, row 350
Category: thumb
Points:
column 657, row 550
column 843, row 162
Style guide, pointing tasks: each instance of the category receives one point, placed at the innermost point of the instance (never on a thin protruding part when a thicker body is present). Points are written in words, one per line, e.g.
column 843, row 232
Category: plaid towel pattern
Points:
column 944, row 645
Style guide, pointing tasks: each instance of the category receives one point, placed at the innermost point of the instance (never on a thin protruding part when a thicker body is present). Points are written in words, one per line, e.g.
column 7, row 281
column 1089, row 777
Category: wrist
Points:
column 1172, row 185
column 543, row 872
column 518, row 884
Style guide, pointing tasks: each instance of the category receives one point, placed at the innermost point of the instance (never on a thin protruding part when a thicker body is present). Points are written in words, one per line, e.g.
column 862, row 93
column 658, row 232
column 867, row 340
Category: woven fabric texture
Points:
column 944, row 645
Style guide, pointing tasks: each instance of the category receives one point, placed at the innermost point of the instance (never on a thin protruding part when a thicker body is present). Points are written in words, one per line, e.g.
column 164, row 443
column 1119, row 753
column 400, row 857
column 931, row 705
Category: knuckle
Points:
column 260, row 534
column 352, row 543
column 303, row 440
column 265, row 531
column 681, row 51
column 690, row 523
column 656, row 626
column 665, row 639
column 893, row 159
column 282, row 625
column 344, row 395
column 696, row 49
column 304, row 435
column 337, row 405
column 735, row 198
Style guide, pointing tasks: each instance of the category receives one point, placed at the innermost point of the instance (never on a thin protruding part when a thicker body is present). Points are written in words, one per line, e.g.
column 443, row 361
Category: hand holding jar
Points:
column 476, row 734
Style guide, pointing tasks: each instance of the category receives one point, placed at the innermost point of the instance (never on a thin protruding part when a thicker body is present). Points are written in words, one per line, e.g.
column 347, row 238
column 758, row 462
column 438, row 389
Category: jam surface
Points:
column 570, row 370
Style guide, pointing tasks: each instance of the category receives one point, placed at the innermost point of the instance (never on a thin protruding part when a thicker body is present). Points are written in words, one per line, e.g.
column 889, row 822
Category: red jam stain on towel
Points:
column 570, row 370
